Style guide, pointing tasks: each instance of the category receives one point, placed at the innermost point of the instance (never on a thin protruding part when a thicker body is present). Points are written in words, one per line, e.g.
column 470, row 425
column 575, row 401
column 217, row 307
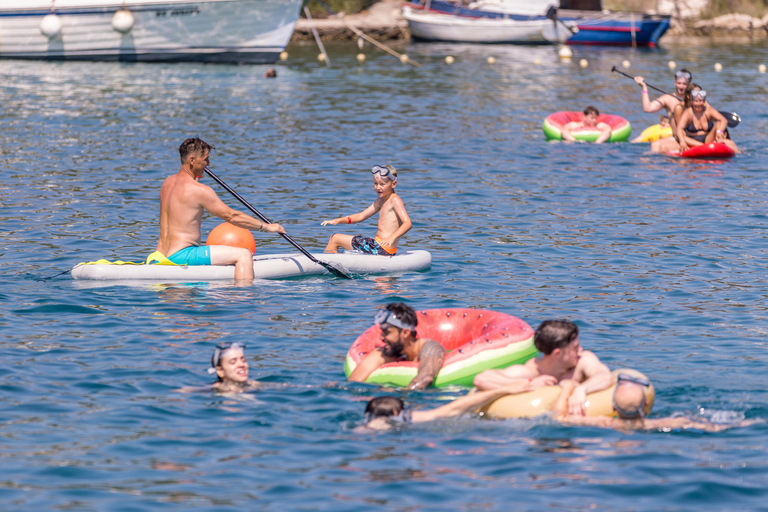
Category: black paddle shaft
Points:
column 333, row 270
column 732, row 118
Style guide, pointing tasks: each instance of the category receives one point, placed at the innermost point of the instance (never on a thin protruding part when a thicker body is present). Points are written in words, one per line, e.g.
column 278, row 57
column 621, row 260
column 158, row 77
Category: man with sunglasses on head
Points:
column 183, row 199
column 401, row 343
column 394, row 221
column 668, row 102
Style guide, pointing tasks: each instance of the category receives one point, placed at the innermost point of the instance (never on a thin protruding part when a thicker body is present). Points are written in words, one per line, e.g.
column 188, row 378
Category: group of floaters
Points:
column 516, row 372
column 691, row 127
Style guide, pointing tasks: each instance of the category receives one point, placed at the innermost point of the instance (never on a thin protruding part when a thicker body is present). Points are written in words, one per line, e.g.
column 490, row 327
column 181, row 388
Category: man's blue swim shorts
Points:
column 193, row 255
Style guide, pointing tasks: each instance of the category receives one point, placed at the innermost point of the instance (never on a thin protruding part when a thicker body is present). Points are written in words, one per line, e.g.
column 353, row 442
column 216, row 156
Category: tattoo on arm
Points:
column 430, row 362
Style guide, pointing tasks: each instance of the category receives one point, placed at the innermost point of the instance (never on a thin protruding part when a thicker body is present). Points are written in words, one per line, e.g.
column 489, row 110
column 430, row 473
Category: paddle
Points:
column 333, row 270
column 732, row 117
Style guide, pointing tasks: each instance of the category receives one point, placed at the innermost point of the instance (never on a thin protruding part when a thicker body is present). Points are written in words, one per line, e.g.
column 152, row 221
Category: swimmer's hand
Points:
column 577, row 401
column 330, row 222
column 683, row 146
column 273, row 228
column 640, row 81
column 543, row 380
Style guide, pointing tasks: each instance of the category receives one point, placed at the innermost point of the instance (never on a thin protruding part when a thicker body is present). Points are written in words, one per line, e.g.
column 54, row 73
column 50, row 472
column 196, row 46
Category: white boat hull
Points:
column 270, row 266
column 433, row 26
column 252, row 31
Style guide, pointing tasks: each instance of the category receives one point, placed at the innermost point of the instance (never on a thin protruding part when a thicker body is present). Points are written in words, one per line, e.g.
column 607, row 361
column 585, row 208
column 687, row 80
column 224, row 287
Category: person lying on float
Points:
column 590, row 121
column 561, row 358
column 398, row 322
column 629, row 403
column 183, row 199
column 700, row 123
column 394, row 221
column 385, row 412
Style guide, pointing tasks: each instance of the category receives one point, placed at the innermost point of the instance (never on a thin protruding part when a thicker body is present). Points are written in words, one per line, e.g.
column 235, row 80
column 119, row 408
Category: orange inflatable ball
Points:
column 231, row 235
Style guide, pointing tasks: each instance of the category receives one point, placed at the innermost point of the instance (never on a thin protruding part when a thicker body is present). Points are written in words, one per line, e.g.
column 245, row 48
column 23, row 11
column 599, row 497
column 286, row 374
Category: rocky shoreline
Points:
column 384, row 21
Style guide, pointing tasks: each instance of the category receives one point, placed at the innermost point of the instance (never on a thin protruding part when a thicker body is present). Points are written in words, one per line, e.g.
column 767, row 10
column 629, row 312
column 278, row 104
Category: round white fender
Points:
column 123, row 21
column 50, row 27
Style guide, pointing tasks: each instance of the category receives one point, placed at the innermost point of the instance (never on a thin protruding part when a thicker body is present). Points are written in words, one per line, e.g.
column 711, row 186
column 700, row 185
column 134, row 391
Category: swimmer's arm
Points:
column 720, row 123
column 685, row 119
column 492, row 379
column 595, row 376
column 560, row 408
column 211, row 202
column 367, row 366
column 606, row 133
column 471, row 402
column 355, row 217
column 565, row 131
column 430, row 361
column 648, row 105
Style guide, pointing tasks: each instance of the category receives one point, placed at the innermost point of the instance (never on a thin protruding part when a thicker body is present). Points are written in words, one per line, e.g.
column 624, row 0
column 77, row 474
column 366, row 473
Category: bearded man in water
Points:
column 182, row 202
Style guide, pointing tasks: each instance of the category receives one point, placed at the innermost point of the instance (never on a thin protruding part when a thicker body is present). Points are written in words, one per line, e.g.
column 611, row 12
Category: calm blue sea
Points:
column 661, row 262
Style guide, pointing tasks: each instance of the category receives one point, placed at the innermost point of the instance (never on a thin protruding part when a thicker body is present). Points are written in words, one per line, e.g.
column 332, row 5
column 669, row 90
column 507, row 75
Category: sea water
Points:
column 661, row 262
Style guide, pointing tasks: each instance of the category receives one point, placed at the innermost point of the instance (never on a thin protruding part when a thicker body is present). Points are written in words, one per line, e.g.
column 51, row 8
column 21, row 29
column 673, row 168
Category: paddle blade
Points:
column 732, row 117
column 334, row 270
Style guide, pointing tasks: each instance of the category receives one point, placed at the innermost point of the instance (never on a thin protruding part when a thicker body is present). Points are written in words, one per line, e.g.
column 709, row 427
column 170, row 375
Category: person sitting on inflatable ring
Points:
column 398, row 333
column 384, row 412
column 230, row 366
column 629, row 402
column 562, row 358
column 590, row 121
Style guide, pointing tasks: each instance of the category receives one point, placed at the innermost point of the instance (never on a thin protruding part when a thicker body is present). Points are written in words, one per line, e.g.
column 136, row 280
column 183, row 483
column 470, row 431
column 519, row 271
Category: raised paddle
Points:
column 333, row 270
column 732, row 117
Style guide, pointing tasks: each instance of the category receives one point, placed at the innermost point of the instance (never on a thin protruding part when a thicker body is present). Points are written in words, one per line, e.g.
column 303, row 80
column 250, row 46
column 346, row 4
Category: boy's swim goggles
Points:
column 385, row 171
column 386, row 317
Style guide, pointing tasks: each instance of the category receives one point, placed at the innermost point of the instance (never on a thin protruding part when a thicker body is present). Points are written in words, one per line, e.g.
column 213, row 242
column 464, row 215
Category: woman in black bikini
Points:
column 700, row 123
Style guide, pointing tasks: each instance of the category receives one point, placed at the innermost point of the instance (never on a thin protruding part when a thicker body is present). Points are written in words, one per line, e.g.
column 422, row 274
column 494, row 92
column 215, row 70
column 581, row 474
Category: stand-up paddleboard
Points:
column 269, row 266
column 553, row 124
column 711, row 151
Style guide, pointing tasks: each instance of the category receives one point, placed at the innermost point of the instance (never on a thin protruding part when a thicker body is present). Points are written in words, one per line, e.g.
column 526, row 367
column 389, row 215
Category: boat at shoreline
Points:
column 594, row 25
column 215, row 31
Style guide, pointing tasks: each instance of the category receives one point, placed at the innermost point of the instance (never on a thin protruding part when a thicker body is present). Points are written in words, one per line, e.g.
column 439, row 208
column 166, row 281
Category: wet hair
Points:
column 194, row 146
column 383, row 406
column 553, row 334
column 663, row 118
column 405, row 313
column 687, row 99
column 591, row 110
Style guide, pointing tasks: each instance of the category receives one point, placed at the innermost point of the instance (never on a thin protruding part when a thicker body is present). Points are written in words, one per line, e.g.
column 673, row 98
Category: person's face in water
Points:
column 590, row 120
column 233, row 367
column 393, row 341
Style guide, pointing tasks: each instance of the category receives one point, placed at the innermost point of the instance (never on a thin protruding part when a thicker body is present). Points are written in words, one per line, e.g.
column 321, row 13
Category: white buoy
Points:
column 761, row 68
column 537, row 61
column 672, row 64
column 283, row 55
column 564, row 52
column 50, row 27
column 449, row 59
column 625, row 64
column 718, row 67
column 360, row 57
column 491, row 60
column 321, row 57
column 122, row 21
column 583, row 63
column 360, row 43
column 403, row 58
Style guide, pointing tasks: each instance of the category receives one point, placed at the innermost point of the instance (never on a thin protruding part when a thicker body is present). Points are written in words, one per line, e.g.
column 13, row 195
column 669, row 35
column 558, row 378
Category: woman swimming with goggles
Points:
column 231, row 368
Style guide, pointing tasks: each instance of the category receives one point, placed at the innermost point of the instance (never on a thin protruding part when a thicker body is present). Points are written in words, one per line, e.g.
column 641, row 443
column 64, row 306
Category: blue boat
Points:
column 595, row 26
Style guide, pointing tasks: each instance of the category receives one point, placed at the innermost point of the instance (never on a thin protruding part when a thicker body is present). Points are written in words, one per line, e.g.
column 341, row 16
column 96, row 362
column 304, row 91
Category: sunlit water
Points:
column 662, row 263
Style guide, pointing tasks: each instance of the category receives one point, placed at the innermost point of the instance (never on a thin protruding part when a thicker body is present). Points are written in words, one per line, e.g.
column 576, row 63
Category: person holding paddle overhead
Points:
column 394, row 221
column 182, row 202
column 700, row 123
column 668, row 102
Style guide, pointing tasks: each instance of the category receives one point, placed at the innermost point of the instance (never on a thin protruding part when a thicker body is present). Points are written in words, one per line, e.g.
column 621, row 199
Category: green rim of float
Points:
column 508, row 341
column 620, row 127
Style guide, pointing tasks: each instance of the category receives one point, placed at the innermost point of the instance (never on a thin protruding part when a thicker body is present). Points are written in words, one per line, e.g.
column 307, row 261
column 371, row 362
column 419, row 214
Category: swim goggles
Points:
column 386, row 171
column 683, row 74
column 631, row 414
column 219, row 351
column 386, row 317
column 699, row 93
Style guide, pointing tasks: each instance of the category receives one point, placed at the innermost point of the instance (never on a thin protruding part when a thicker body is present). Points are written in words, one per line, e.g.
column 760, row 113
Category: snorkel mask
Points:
column 631, row 414
column 386, row 171
column 219, row 351
column 385, row 317
column 683, row 74
column 699, row 93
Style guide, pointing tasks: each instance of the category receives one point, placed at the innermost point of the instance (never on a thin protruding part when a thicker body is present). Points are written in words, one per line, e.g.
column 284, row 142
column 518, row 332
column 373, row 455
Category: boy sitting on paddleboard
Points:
column 393, row 219
column 562, row 359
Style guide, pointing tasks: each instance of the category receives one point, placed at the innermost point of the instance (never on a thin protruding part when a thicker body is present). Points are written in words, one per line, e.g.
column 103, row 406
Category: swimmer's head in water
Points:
column 663, row 121
column 384, row 407
column 229, row 368
column 629, row 397
column 553, row 334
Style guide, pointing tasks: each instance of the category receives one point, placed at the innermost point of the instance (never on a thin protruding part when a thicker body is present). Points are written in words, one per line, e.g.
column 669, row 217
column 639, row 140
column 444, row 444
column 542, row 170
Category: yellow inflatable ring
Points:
column 540, row 401
column 655, row 132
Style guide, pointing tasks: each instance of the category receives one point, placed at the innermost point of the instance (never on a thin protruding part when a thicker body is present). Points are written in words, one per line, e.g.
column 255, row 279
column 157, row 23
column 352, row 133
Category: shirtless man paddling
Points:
column 182, row 202
column 668, row 103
